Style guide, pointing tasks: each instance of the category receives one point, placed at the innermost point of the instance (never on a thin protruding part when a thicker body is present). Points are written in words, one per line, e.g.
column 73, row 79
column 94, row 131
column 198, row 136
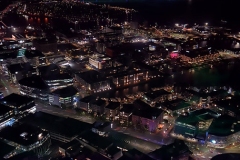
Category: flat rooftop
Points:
column 52, row 77
column 33, row 53
column 49, row 70
column 22, row 134
column 197, row 116
column 223, row 125
column 149, row 113
column 155, row 94
column 20, row 67
column 64, row 126
column 91, row 76
column 34, row 82
column 16, row 100
column 113, row 105
column 66, row 92
column 5, row 149
column 4, row 109
column 95, row 140
column 230, row 104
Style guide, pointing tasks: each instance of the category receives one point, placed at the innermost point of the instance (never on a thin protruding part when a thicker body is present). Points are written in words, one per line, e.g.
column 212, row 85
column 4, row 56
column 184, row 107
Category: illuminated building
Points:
column 92, row 104
column 64, row 97
column 20, row 104
column 228, row 106
column 125, row 113
column 100, row 61
column 35, row 58
column 224, row 131
column 146, row 117
column 19, row 71
column 26, row 138
column 56, row 81
column 156, row 96
column 6, row 116
column 35, row 87
column 194, row 125
column 112, row 110
column 93, row 81
column 48, row 70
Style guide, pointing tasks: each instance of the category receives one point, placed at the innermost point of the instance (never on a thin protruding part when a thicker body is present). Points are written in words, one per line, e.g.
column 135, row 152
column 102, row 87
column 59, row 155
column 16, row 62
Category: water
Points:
column 170, row 12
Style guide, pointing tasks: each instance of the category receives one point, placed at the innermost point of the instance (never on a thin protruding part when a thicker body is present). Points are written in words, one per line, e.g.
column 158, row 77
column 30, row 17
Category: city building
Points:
column 125, row 114
column 26, row 138
column 100, row 61
column 35, row 87
column 228, row 106
column 20, row 104
column 97, row 106
column 57, row 81
column 60, row 128
column 70, row 149
column 153, row 97
column 135, row 154
column 91, row 104
column 146, row 117
column 21, row 70
column 6, row 116
column 93, row 81
column 223, row 131
column 95, row 142
column 112, row 110
column 35, row 58
column 46, row 45
column 178, row 150
column 194, row 125
column 48, row 70
column 64, row 97
column 99, row 128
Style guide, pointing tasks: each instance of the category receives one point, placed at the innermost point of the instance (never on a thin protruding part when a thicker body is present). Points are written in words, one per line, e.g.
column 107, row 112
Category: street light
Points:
column 176, row 24
column 206, row 24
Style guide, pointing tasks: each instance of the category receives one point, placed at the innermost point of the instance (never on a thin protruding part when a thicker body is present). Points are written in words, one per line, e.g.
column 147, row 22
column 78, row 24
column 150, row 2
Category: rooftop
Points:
column 16, row 100
column 175, row 150
column 22, row 134
column 49, row 70
column 149, row 113
column 64, row 126
column 66, row 92
column 98, row 102
column 113, row 105
column 139, row 104
column 20, row 67
column 62, row 76
column 195, row 117
column 87, row 99
column 134, row 154
column 224, row 125
column 155, row 94
column 34, row 82
column 127, row 108
column 91, row 76
column 95, row 140
column 4, row 109
column 33, row 53
column 230, row 104
column 9, row 55
column 5, row 149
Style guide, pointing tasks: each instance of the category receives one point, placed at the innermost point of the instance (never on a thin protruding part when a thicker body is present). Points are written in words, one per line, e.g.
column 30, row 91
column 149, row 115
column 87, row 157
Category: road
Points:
column 63, row 113
column 7, row 87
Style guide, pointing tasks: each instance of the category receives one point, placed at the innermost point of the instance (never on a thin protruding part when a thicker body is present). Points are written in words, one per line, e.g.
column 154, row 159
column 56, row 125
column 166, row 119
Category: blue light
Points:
column 214, row 142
